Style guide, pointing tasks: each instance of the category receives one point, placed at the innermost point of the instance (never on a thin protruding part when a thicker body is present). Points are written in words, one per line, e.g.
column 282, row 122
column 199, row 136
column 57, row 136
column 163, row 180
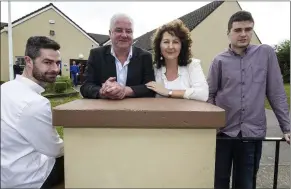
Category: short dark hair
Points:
column 35, row 43
column 177, row 28
column 239, row 17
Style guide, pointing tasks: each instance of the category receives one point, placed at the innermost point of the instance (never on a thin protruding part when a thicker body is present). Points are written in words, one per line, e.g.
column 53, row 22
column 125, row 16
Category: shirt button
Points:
column 242, row 83
column 241, row 122
column 243, row 69
column 243, row 96
column 242, row 109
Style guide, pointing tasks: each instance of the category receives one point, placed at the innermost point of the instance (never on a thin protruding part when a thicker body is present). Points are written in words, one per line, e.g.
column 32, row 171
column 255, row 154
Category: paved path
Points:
column 77, row 87
column 265, row 175
column 273, row 130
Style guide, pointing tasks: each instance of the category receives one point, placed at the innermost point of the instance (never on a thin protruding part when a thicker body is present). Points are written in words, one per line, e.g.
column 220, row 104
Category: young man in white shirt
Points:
column 31, row 149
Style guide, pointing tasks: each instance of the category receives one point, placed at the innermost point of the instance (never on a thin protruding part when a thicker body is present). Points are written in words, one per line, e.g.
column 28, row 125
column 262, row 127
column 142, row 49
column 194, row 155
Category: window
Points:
column 52, row 32
column 20, row 61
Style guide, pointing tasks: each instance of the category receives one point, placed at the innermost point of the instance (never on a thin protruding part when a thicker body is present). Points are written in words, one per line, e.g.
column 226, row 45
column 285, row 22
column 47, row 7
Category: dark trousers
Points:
column 75, row 81
column 56, row 176
column 241, row 155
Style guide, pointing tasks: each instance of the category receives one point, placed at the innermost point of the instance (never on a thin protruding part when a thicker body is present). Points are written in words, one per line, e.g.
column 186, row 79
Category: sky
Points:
column 272, row 19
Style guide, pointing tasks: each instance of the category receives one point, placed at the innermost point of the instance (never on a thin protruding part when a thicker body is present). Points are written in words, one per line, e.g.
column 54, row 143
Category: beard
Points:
column 46, row 77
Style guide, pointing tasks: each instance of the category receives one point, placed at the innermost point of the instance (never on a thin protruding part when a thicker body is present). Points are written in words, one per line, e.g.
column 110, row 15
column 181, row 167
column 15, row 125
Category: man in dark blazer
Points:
column 119, row 70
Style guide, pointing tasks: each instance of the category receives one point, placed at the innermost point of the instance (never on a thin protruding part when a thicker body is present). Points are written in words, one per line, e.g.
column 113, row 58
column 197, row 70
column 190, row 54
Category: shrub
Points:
column 60, row 86
column 1, row 82
column 50, row 87
column 283, row 55
column 65, row 79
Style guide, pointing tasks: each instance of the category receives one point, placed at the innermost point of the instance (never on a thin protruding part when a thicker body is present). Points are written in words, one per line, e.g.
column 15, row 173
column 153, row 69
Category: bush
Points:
column 51, row 87
column 60, row 87
column 283, row 55
column 65, row 79
column 1, row 82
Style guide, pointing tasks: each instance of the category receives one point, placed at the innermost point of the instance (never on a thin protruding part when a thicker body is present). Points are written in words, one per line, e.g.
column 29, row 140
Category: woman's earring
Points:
column 161, row 58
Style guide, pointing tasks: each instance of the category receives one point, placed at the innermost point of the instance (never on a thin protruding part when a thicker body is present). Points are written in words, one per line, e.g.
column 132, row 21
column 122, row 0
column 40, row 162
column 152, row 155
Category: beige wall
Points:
column 72, row 41
column 209, row 37
column 139, row 158
column 4, row 57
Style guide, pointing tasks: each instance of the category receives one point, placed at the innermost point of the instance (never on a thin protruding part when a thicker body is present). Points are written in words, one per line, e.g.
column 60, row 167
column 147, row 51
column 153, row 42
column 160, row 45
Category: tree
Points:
column 283, row 55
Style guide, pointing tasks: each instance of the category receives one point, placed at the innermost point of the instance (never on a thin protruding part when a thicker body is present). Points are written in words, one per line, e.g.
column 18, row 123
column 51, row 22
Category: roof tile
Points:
column 191, row 20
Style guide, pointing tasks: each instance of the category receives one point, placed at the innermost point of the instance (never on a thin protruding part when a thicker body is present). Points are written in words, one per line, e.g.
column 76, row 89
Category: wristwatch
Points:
column 170, row 93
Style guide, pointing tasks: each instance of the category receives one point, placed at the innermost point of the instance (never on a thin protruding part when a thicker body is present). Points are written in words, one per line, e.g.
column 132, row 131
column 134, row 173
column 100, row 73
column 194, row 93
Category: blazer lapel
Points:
column 132, row 68
column 109, row 65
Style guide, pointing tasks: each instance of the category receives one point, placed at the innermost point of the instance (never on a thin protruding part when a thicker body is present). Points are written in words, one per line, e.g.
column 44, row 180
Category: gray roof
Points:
column 100, row 38
column 3, row 24
column 191, row 20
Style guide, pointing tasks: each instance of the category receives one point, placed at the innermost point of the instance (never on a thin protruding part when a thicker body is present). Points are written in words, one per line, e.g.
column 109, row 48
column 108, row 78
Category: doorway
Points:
column 82, row 65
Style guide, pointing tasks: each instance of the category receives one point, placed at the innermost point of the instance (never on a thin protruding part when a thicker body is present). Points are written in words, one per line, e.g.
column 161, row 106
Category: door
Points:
column 82, row 65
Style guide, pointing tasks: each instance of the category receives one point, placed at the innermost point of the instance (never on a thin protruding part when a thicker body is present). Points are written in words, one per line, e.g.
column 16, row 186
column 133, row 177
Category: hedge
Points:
column 62, row 83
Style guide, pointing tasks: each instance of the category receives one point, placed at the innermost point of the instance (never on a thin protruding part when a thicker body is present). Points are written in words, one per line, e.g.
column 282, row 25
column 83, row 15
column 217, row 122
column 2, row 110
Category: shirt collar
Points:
column 129, row 55
column 234, row 53
column 31, row 84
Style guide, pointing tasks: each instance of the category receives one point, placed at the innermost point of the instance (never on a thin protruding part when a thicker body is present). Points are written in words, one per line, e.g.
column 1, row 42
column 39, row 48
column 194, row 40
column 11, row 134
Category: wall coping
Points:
column 139, row 113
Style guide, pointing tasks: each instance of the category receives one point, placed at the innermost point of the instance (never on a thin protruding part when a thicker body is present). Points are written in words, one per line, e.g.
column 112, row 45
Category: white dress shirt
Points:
column 190, row 78
column 29, row 142
column 121, row 70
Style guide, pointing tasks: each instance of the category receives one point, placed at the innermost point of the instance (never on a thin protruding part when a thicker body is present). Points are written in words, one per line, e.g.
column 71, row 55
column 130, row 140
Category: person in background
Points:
column 31, row 149
column 239, row 80
column 82, row 69
column 119, row 70
column 177, row 74
column 74, row 73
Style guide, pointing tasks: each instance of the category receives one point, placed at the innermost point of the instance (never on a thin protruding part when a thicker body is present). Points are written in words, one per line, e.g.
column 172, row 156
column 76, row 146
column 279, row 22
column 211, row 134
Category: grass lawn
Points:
column 69, row 90
column 287, row 89
column 59, row 101
column 62, row 100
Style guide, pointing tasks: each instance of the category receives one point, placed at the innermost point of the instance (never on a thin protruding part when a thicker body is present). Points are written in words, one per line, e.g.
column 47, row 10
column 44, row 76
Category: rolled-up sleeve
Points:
column 35, row 125
column 198, row 85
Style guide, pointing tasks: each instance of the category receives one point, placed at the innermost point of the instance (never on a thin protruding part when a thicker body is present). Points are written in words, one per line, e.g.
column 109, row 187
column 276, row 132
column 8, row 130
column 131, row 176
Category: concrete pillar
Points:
column 139, row 143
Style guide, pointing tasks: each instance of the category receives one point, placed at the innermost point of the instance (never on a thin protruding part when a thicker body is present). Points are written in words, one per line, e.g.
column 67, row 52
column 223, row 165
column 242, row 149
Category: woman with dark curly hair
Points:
column 178, row 75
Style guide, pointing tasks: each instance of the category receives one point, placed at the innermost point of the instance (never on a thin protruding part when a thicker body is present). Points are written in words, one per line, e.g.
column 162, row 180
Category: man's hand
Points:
column 287, row 137
column 111, row 89
column 115, row 91
column 109, row 82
